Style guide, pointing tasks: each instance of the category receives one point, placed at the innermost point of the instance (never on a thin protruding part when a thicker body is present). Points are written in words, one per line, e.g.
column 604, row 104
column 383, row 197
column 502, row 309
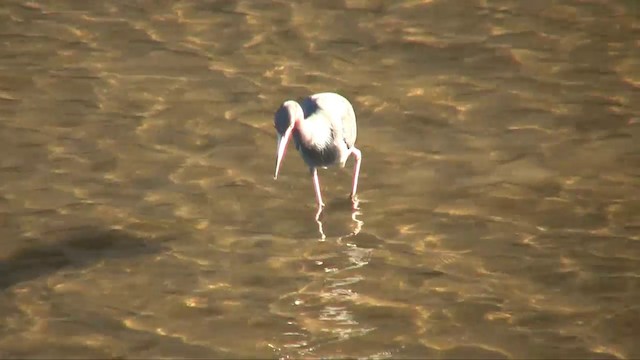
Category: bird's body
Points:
column 323, row 127
column 331, row 120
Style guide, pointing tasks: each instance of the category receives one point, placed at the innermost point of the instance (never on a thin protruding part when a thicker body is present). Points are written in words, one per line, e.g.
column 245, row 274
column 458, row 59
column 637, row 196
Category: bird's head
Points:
column 285, row 121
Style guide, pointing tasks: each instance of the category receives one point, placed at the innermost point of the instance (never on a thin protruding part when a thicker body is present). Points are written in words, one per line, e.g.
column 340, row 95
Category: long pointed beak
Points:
column 282, row 149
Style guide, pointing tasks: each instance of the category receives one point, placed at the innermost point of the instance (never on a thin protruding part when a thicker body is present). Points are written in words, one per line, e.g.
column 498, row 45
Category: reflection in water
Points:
column 355, row 211
column 338, row 289
column 319, row 221
column 324, row 307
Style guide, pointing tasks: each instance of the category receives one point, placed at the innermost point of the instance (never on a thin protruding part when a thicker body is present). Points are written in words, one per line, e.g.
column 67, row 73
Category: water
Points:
column 499, row 191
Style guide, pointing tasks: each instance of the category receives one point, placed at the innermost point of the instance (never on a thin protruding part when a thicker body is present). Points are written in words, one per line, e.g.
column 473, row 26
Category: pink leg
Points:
column 356, row 171
column 316, row 186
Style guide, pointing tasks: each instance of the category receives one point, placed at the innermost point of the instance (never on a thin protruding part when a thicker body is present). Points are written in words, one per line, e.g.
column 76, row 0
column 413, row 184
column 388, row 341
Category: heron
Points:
column 323, row 127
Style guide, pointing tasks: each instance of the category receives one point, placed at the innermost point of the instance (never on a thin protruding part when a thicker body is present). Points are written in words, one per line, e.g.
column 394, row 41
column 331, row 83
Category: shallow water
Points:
column 500, row 185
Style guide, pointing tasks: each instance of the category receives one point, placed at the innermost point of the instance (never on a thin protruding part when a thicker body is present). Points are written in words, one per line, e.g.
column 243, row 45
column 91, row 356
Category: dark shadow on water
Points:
column 75, row 248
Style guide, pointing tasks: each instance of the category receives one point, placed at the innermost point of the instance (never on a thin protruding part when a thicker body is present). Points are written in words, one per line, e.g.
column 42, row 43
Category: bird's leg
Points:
column 316, row 186
column 356, row 173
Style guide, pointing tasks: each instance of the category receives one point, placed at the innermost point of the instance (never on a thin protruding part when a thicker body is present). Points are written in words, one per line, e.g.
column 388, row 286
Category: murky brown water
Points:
column 500, row 186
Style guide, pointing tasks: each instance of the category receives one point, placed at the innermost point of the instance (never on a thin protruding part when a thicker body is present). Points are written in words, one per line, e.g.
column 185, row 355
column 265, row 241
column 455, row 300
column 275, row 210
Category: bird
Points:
column 323, row 128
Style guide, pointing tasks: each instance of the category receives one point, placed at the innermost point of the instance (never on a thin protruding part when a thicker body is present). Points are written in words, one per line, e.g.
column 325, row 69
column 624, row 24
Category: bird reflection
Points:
column 323, row 309
column 337, row 294
column 355, row 212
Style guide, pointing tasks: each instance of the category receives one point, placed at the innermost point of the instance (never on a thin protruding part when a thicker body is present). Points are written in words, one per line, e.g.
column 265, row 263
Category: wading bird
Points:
column 323, row 127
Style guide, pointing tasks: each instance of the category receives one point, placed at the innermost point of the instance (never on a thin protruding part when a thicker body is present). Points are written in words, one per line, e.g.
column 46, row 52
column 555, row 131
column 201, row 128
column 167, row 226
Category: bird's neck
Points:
column 315, row 132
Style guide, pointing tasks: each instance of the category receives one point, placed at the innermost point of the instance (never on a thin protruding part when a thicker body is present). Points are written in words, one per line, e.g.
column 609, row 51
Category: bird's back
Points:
column 338, row 110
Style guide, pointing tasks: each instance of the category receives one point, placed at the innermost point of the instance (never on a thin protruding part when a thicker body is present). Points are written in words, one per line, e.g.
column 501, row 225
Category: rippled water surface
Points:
column 500, row 185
